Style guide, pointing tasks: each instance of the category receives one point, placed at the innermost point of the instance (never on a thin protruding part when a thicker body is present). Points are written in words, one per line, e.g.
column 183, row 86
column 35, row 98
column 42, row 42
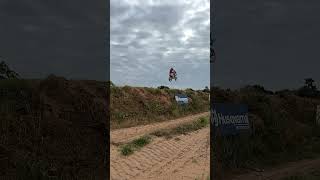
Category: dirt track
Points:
column 183, row 157
column 283, row 171
column 127, row 134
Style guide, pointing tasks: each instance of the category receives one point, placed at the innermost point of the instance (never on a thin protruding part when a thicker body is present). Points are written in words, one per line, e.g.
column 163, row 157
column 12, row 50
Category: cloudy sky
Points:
column 147, row 37
column 65, row 38
column 274, row 43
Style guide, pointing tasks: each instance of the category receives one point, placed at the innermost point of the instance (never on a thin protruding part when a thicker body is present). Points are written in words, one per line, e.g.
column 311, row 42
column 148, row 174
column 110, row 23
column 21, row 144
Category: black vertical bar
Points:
column 107, row 45
column 212, row 60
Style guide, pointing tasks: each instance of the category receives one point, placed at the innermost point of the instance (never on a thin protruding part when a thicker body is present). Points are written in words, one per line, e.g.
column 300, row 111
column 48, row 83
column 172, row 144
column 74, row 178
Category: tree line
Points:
column 6, row 72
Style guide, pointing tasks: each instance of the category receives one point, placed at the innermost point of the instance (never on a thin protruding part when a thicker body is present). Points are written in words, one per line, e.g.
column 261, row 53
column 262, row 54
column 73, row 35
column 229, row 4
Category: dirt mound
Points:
column 283, row 129
column 132, row 106
column 61, row 131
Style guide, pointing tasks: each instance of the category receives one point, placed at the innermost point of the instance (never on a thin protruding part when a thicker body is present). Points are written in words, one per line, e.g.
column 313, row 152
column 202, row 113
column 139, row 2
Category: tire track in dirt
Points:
column 190, row 163
column 187, row 157
column 127, row 134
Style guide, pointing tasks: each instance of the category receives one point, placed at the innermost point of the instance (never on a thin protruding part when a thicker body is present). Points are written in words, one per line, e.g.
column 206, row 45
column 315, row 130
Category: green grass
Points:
column 141, row 141
column 134, row 145
column 127, row 150
column 183, row 129
column 119, row 116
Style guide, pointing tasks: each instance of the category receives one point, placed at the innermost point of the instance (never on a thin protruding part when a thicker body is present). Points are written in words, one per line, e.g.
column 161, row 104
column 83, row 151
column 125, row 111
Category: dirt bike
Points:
column 173, row 77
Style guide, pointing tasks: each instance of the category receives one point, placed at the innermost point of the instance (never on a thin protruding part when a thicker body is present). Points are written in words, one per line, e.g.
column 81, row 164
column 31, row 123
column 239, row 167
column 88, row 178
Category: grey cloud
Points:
column 43, row 37
column 271, row 43
column 153, row 34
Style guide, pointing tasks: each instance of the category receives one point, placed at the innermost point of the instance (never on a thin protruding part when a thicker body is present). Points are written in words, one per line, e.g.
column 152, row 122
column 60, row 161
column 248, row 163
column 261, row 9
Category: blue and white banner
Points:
column 181, row 99
column 230, row 119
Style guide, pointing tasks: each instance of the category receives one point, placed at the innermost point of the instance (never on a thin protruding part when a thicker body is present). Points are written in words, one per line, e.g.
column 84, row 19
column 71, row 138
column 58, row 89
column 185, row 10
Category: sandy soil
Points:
column 181, row 158
column 127, row 134
column 285, row 170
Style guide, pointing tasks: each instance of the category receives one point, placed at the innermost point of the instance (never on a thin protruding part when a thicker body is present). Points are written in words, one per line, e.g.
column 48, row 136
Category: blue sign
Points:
column 230, row 119
column 181, row 99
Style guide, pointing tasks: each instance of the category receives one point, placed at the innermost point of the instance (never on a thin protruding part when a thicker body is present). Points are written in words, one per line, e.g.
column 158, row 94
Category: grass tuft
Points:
column 127, row 150
column 135, row 145
column 142, row 141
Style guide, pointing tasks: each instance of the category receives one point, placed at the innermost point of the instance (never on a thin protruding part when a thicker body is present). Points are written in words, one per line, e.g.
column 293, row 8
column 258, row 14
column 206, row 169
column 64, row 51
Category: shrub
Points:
column 163, row 87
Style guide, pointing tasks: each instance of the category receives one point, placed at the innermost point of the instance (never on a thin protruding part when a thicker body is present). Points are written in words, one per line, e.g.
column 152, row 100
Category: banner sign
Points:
column 230, row 119
column 181, row 99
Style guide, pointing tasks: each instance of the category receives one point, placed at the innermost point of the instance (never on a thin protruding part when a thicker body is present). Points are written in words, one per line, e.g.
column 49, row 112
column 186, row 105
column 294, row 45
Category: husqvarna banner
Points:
column 230, row 119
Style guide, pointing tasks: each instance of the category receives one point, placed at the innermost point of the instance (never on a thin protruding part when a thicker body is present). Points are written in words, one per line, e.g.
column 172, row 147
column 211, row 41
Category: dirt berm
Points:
column 132, row 106
column 53, row 127
column 58, row 127
column 283, row 129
